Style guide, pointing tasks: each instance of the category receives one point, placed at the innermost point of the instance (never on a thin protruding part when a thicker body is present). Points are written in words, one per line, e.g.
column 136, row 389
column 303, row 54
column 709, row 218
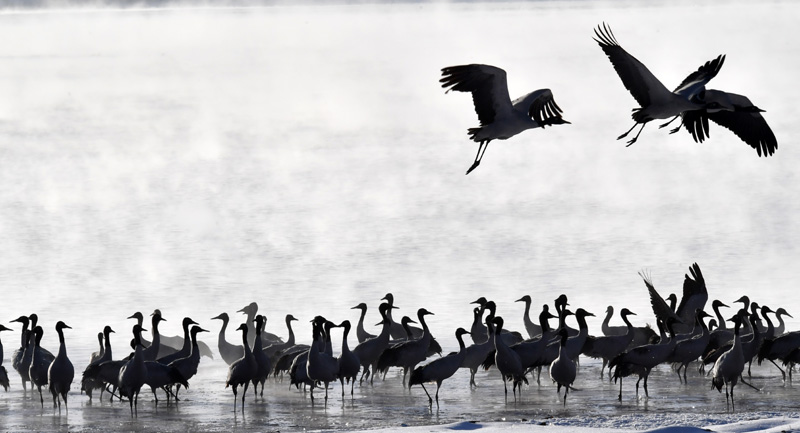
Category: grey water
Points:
column 305, row 157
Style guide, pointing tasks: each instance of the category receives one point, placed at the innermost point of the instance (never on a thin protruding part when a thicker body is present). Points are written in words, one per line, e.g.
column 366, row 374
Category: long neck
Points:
column 187, row 340
column 526, row 316
column 583, row 328
column 737, row 339
column 247, row 351
column 221, row 338
column 107, row 349
column 345, row 347
column 425, row 330
column 461, row 345
column 156, row 335
column 137, row 352
column 360, row 324
column 257, row 344
column 720, row 321
column 290, row 340
column 24, row 337
column 607, row 320
column 195, row 347
column 386, row 329
column 62, row 346
column 627, row 323
column 328, row 340
column 544, row 322
column 498, row 342
column 770, row 332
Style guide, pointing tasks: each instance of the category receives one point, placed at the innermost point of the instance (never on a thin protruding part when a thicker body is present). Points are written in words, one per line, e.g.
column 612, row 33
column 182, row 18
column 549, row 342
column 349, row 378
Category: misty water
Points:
column 197, row 159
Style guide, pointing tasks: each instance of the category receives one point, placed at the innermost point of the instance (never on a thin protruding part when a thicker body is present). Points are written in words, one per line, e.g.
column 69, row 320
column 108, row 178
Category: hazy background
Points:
column 306, row 158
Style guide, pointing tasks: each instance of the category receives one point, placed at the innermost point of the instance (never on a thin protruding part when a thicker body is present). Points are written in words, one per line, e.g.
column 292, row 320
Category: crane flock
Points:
column 683, row 340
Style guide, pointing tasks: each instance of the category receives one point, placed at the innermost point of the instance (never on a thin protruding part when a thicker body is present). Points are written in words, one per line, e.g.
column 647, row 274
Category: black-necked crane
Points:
column 3, row 373
column 408, row 353
column 690, row 349
column 729, row 366
column 369, row 351
column 92, row 381
column 507, row 362
column 655, row 100
column 99, row 353
column 320, row 366
column 188, row 366
column 500, row 118
column 609, row 347
column 230, row 352
column 475, row 354
column 40, row 362
column 243, row 370
column 133, row 374
column 262, row 359
column 563, row 369
column 440, row 369
column 361, row 334
column 61, row 372
column 348, row 363
column 20, row 359
column 479, row 331
column 641, row 360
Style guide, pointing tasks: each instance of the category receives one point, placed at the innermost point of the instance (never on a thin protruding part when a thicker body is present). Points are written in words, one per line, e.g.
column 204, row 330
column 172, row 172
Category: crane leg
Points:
column 633, row 140
column 783, row 373
column 627, row 132
column 430, row 400
column 665, row 124
column 481, row 150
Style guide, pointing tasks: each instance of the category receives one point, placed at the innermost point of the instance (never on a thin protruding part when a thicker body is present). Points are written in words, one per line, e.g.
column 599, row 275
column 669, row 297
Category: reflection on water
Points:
column 306, row 158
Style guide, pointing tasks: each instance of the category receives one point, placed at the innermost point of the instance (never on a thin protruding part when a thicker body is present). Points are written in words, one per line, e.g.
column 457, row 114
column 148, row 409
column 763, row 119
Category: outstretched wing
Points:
column 642, row 84
column 487, row 84
column 697, row 80
column 660, row 307
column 737, row 114
column 695, row 294
column 541, row 107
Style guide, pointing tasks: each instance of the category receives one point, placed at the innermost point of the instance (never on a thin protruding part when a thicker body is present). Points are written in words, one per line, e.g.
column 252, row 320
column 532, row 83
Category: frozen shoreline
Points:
column 765, row 422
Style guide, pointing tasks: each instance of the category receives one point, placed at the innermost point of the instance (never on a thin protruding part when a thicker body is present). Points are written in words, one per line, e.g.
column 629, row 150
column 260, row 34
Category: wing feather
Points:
column 697, row 80
column 487, row 84
column 695, row 294
column 541, row 107
column 660, row 307
column 642, row 84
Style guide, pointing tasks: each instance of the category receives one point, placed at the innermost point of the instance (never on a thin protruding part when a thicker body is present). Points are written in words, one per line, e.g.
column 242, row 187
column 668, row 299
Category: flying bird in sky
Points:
column 500, row 118
column 690, row 101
